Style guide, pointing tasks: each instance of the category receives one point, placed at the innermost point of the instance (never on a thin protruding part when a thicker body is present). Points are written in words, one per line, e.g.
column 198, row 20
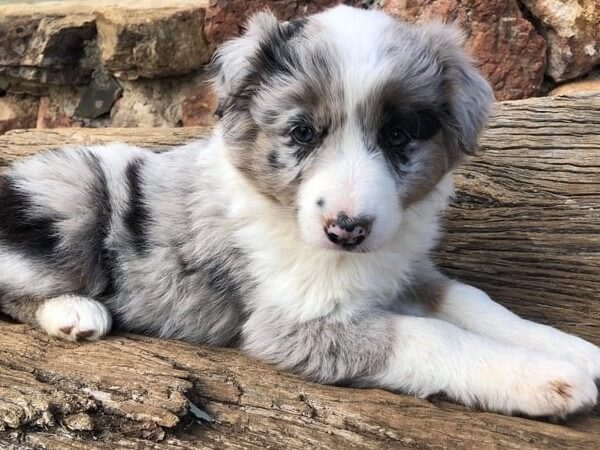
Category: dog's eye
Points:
column 303, row 134
column 394, row 136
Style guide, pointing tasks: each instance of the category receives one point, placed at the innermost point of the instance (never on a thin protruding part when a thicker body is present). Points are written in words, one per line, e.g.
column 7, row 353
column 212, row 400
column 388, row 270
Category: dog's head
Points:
column 348, row 117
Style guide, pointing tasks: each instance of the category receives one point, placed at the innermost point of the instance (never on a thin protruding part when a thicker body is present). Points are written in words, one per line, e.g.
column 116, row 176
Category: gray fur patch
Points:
column 324, row 350
column 22, row 309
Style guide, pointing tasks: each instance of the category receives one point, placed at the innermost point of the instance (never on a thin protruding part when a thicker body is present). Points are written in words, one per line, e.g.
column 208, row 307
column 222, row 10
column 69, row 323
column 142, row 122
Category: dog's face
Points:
column 348, row 117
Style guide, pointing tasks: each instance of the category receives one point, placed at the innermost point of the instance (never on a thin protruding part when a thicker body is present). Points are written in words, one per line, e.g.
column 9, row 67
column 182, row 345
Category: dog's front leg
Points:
column 421, row 356
column 473, row 310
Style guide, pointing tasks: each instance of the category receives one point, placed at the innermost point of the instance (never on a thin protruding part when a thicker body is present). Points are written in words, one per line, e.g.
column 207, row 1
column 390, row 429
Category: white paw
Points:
column 72, row 317
column 580, row 352
column 547, row 387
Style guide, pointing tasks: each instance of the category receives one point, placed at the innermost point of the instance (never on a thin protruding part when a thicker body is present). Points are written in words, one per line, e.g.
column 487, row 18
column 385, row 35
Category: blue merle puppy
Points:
column 300, row 231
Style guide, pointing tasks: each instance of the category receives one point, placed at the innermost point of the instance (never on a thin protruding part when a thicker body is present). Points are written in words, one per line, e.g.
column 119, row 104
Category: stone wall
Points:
column 143, row 63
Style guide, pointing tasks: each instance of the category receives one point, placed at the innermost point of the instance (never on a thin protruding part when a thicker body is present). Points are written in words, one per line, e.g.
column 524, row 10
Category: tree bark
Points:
column 525, row 226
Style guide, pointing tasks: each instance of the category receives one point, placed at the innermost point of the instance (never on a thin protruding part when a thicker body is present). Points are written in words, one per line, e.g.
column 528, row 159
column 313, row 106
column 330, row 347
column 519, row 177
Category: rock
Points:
column 152, row 43
column 20, row 86
column 164, row 102
column 225, row 18
column 572, row 31
column 145, row 103
column 17, row 112
column 577, row 86
column 198, row 108
column 57, row 110
column 98, row 97
column 511, row 54
column 79, row 422
column 46, row 50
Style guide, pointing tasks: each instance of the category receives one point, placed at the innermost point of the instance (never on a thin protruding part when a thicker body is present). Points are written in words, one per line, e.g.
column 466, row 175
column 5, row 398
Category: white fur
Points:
column 354, row 36
column 434, row 356
column 303, row 282
column 350, row 180
column 73, row 317
column 472, row 309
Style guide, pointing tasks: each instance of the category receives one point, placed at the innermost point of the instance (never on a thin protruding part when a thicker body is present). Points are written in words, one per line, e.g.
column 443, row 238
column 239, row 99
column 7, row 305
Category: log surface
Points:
column 525, row 226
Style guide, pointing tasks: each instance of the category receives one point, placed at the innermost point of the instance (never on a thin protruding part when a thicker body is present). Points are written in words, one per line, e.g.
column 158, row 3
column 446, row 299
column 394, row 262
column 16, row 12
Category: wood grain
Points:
column 525, row 226
column 18, row 144
column 133, row 387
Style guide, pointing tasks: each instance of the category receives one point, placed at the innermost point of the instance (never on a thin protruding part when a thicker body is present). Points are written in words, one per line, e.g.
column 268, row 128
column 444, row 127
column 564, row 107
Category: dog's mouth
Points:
column 361, row 250
column 356, row 248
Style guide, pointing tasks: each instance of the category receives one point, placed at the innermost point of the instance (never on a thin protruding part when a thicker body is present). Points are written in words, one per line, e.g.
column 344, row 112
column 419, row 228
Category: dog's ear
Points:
column 470, row 96
column 232, row 63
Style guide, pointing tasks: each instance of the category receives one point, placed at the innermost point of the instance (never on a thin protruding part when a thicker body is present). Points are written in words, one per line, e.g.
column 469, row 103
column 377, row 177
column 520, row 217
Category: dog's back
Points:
column 58, row 212
column 112, row 223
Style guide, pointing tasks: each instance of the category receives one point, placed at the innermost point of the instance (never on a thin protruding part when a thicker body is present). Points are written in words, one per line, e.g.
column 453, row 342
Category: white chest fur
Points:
column 302, row 282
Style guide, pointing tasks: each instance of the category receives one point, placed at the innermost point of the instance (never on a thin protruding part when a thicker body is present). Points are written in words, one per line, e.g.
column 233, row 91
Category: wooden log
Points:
column 525, row 226
column 134, row 387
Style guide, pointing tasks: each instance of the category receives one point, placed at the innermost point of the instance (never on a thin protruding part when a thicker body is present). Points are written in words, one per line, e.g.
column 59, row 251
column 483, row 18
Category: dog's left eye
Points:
column 303, row 134
column 394, row 136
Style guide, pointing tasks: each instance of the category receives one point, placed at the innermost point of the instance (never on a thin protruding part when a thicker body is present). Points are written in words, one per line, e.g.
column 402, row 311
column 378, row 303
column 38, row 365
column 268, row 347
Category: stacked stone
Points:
column 143, row 63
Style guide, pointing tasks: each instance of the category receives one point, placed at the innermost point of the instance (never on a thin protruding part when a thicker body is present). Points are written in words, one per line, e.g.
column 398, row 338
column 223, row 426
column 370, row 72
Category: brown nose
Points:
column 348, row 232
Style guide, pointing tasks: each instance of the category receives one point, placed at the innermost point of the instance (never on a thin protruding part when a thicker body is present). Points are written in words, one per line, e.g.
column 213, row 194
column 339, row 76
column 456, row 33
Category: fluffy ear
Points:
column 470, row 95
column 232, row 62
column 242, row 64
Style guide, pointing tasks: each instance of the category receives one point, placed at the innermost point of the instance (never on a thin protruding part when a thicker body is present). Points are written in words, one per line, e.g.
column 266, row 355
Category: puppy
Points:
column 300, row 231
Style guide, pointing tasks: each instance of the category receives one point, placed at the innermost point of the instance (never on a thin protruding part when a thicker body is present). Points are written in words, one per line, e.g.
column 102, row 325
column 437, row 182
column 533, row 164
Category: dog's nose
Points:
column 348, row 232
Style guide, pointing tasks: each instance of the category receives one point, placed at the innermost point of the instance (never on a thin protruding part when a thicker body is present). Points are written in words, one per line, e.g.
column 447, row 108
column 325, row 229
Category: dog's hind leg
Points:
column 74, row 317
column 56, row 214
column 22, row 309
column 33, row 293
column 70, row 317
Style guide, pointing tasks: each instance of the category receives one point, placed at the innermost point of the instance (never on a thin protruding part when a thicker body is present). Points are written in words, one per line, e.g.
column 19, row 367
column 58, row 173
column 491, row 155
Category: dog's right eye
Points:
column 303, row 134
column 393, row 136
column 396, row 137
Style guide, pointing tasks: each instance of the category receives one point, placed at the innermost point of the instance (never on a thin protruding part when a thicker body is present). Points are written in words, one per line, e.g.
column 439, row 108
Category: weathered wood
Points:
column 134, row 386
column 18, row 144
column 525, row 226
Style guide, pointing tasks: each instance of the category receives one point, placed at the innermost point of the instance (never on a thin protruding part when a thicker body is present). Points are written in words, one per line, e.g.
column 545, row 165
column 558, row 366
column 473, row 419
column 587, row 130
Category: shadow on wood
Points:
column 525, row 226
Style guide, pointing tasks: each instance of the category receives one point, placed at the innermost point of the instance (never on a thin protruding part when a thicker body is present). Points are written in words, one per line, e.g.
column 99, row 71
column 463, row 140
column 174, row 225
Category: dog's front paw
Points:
column 72, row 317
column 547, row 387
column 564, row 346
column 581, row 353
